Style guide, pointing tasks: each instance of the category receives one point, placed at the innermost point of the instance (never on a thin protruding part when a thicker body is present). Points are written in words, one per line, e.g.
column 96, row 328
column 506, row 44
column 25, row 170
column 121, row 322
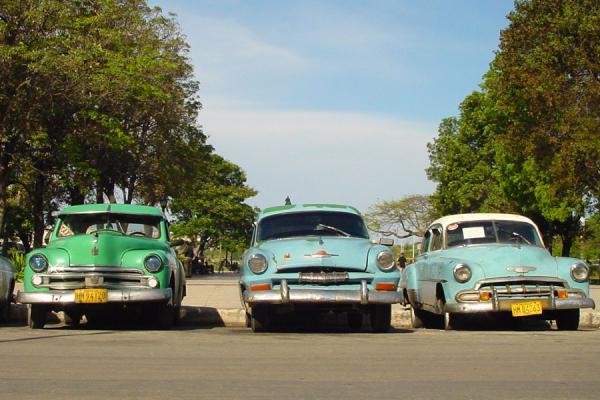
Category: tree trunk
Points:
column 38, row 201
column 567, row 242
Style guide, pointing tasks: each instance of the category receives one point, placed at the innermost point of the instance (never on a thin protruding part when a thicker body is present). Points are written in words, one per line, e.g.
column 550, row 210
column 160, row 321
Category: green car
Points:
column 105, row 258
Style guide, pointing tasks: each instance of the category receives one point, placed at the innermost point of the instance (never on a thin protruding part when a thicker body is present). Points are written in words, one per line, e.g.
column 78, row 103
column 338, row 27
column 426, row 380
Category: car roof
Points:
column 458, row 218
column 294, row 208
column 112, row 208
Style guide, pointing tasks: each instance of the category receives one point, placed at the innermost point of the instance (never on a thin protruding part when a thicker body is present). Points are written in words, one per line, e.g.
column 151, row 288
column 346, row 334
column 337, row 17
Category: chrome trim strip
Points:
column 535, row 279
column 323, row 296
column 94, row 268
column 114, row 296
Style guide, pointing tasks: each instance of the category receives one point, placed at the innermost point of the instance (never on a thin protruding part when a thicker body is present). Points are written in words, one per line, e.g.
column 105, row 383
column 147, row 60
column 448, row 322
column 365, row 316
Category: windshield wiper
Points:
column 332, row 228
column 515, row 234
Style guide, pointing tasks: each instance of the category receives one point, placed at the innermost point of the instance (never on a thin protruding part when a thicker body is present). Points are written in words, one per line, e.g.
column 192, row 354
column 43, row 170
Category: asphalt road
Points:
column 215, row 363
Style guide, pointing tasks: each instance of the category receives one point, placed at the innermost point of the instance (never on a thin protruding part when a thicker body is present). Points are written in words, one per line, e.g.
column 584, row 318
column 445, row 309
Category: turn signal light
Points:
column 485, row 296
column 261, row 286
column 562, row 294
column 389, row 287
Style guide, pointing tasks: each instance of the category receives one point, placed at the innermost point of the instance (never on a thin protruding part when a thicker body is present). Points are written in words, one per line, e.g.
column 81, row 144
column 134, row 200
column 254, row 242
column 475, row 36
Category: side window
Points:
column 436, row 239
column 425, row 242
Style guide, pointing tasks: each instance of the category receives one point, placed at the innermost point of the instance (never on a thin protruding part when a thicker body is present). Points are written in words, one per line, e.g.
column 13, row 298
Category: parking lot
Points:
column 203, row 360
column 195, row 362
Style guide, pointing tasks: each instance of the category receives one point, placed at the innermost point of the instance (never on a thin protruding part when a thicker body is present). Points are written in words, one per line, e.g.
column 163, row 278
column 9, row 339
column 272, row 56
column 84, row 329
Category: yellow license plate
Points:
column 526, row 308
column 91, row 295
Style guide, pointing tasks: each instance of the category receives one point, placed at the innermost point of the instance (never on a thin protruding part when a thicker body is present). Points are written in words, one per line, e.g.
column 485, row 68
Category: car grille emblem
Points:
column 321, row 254
column 521, row 270
column 95, row 251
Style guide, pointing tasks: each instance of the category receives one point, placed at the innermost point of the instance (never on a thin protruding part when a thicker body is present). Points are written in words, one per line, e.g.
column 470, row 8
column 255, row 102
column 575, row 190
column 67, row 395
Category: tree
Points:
column 401, row 218
column 210, row 207
column 528, row 141
column 463, row 159
column 93, row 96
column 546, row 80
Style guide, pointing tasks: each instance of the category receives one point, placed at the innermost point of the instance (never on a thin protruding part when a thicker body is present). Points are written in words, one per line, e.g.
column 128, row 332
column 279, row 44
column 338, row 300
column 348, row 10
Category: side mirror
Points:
column 175, row 243
column 386, row 241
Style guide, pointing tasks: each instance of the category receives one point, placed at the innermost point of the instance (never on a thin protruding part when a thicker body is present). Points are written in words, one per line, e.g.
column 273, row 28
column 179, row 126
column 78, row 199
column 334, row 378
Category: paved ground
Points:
column 226, row 363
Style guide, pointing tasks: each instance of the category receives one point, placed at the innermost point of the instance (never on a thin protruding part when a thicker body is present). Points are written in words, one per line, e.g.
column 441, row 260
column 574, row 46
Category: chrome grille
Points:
column 104, row 276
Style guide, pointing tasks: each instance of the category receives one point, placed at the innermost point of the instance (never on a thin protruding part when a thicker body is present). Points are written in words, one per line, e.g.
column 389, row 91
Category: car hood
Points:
column 506, row 260
column 105, row 248
column 348, row 254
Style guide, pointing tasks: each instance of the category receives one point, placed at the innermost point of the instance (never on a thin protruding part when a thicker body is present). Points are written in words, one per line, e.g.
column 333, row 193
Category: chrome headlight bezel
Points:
column 257, row 263
column 386, row 261
column 153, row 263
column 462, row 273
column 38, row 262
column 580, row 272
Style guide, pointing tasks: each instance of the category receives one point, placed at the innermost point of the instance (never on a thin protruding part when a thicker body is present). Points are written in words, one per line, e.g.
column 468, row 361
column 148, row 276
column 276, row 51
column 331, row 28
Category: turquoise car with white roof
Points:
column 495, row 264
column 318, row 257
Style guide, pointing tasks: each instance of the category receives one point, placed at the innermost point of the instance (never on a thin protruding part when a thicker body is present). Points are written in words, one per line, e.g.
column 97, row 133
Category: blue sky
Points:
column 334, row 101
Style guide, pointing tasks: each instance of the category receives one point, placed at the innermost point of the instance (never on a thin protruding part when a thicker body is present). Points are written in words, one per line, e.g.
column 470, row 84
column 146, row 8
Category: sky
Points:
column 334, row 101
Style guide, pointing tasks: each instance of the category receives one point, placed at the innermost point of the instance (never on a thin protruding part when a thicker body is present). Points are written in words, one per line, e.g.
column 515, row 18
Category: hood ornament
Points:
column 321, row 254
column 521, row 270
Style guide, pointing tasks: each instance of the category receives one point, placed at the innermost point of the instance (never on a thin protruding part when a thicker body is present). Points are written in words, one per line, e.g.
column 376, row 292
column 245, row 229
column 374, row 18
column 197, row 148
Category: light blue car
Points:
column 495, row 264
column 317, row 257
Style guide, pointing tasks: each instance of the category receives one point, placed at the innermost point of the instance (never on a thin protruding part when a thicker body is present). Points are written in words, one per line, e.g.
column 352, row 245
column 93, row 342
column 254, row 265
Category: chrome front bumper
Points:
column 499, row 302
column 285, row 295
column 114, row 296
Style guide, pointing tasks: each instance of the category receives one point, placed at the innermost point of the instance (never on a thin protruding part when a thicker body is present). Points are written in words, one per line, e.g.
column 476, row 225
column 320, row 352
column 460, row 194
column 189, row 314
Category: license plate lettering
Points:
column 526, row 308
column 91, row 296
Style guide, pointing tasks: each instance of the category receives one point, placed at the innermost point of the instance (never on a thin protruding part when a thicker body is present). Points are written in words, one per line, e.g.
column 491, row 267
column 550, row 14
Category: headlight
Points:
column 462, row 273
column 385, row 260
column 153, row 263
column 257, row 263
column 580, row 272
column 38, row 263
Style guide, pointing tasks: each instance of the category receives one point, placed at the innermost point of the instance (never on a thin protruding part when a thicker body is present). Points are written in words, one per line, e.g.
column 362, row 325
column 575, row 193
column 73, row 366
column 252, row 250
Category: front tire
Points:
column 259, row 318
column 567, row 320
column 418, row 318
column 381, row 318
column 36, row 316
column 355, row 320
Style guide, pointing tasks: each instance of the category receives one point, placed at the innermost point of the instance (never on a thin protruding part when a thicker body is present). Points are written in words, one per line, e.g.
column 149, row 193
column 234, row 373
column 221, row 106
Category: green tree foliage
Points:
column 210, row 208
column 96, row 97
column 463, row 159
column 401, row 218
column 528, row 142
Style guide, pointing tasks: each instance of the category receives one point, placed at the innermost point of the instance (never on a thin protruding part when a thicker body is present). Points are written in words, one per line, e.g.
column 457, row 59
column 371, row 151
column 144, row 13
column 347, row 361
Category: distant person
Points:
column 186, row 252
column 402, row 261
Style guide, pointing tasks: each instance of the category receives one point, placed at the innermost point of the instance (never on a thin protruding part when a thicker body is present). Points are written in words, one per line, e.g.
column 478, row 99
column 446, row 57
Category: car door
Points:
column 429, row 267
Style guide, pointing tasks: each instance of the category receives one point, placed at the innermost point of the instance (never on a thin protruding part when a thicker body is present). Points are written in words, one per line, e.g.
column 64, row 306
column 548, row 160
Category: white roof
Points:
column 457, row 218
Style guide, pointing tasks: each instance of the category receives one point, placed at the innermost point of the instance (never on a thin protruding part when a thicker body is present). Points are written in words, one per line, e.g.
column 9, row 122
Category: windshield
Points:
column 478, row 232
column 125, row 224
column 311, row 224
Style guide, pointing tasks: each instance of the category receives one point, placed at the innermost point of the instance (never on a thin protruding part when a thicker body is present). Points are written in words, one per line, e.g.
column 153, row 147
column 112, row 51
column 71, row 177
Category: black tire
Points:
column 418, row 318
column 567, row 320
column 453, row 321
column 36, row 316
column 381, row 318
column 259, row 318
column 73, row 318
column 355, row 320
column 165, row 316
